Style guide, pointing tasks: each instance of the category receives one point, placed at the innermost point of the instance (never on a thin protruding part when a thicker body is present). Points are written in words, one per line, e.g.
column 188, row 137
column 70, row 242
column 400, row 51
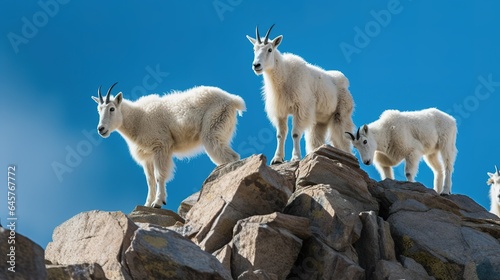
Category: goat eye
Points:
column 270, row 50
column 112, row 109
column 364, row 142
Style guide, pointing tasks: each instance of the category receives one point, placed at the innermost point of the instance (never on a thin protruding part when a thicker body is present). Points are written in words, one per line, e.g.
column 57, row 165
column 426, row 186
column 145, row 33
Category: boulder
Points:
column 187, row 204
column 317, row 260
column 232, row 192
column 93, row 237
column 324, row 167
column 160, row 217
column 434, row 231
column 258, row 274
column 22, row 259
column 159, row 253
column 332, row 218
column 267, row 247
column 76, row 272
column 385, row 269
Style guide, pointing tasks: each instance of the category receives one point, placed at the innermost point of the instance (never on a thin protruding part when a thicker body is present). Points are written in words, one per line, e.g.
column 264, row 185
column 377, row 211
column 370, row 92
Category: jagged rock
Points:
column 160, row 217
column 187, row 204
column 258, row 274
column 324, row 167
column 333, row 219
column 288, row 170
column 433, row 230
column 375, row 242
column 233, row 192
column 22, row 259
column 319, row 261
column 264, row 246
column 93, row 237
column 393, row 270
column 224, row 256
column 159, row 253
column 76, row 272
column 299, row 226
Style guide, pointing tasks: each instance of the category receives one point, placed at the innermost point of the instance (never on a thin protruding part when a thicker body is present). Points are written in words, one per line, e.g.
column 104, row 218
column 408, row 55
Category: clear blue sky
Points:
column 404, row 55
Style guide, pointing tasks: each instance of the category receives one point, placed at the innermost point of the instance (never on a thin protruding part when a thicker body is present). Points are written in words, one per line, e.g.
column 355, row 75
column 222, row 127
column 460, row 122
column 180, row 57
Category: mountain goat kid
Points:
column 410, row 135
column 156, row 128
column 317, row 99
column 494, row 181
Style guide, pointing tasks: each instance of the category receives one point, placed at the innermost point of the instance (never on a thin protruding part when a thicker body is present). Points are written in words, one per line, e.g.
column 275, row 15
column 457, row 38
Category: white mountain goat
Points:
column 317, row 99
column 410, row 135
column 494, row 181
column 179, row 123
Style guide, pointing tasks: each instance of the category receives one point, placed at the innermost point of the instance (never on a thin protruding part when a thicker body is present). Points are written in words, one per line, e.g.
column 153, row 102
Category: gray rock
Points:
column 319, row 261
column 20, row 260
column 333, row 219
column 392, row 270
column 159, row 253
column 160, row 217
column 76, row 272
column 261, row 246
column 233, row 192
column 93, row 237
column 187, row 204
column 258, row 274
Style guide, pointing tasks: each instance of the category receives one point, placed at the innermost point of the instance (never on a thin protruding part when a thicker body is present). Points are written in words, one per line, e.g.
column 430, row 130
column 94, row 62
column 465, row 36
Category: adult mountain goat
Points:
column 318, row 100
column 158, row 127
column 494, row 181
column 410, row 135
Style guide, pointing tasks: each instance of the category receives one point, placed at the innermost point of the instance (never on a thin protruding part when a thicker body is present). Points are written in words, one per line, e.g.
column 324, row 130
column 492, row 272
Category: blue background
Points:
column 53, row 58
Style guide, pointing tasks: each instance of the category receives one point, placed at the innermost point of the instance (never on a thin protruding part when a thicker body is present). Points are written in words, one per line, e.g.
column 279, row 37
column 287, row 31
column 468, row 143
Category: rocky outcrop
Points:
column 320, row 218
column 21, row 258
column 77, row 272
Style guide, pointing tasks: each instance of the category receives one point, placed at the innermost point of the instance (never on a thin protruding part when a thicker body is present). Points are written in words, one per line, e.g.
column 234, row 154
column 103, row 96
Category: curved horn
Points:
column 108, row 95
column 350, row 134
column 267, row 34
column 496, row 171
column 357, row 133
column 100, row 95
column 257, row 35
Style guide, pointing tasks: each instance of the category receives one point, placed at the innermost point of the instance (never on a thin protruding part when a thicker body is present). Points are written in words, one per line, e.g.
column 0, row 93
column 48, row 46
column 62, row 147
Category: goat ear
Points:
column 365, row 129
column 490, row 174
column 95, row 99
column 252, row 40
column 277, row 41
column 119, row 98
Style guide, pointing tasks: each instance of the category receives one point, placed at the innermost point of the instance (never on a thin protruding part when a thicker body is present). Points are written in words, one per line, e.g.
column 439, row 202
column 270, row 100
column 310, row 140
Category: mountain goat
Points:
column 317, row 99
column 410, row 135
column 494, row 181
column 156, row 128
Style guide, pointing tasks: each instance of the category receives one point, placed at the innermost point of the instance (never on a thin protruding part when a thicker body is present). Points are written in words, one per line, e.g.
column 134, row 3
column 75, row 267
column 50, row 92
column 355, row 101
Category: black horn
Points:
column 100, row 95
column 496, row 170
column 267, row 34
column 257, row 35
column 350, row 134
column 357, row 133
column 108, row 95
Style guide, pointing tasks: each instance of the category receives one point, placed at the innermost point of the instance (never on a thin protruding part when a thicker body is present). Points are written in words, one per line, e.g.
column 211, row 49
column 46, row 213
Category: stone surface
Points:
column 76, row 272
column 160, row 217
column 233, row 192
column 317, row 260
column 394, row 270
column 262, row 246
column 299, row 226
column 159, row 253
column 21, row 258
column 323, row 167
column 224, row 256
column 187, row 204
column 288, row 171
column 434, row 231
column 93, row 237
column 333, row 219
column 375, row 242
column 258, row 274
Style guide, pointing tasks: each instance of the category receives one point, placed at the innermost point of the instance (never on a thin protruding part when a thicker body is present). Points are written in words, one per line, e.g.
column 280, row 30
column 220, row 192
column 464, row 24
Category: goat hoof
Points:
column 444, row 194
column 276, row 161
column 164, row 202
column 157, row 206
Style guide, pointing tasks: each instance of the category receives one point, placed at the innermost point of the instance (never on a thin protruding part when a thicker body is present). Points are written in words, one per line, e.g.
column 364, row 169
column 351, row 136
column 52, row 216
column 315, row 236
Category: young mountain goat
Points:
column 409, row 136
column 179, row 123
column 317, row 99
column 494, row 181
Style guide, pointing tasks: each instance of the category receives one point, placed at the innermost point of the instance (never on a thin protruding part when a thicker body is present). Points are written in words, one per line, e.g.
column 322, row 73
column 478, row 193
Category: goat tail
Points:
column 239, row 104
column 339, row 79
